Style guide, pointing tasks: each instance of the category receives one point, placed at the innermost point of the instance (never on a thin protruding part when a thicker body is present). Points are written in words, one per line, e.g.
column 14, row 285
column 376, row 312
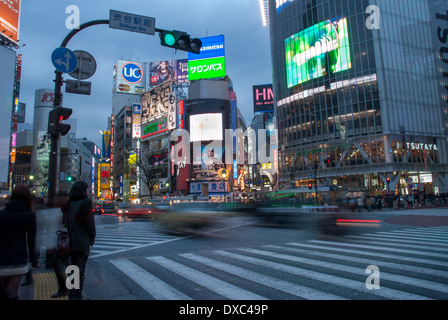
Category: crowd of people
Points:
column 28, row 224
column 372, row 203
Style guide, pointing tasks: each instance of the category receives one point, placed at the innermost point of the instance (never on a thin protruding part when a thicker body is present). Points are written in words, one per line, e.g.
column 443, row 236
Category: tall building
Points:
column 129, row 83
column 360, row 94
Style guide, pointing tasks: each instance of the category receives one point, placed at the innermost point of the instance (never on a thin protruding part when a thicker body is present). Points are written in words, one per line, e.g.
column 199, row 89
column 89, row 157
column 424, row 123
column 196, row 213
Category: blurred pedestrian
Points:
column 82, row 231
column 17, row 241
column 60, row 262
column 39, row 204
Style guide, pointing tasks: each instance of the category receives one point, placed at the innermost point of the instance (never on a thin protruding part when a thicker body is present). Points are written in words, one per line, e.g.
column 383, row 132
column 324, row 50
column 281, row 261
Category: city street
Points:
column 238, row 258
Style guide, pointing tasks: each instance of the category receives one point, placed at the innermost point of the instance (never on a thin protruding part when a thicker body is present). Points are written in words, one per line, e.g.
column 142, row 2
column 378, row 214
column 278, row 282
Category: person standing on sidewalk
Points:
column 17, row 241
column 60, row 262
column 82, row 231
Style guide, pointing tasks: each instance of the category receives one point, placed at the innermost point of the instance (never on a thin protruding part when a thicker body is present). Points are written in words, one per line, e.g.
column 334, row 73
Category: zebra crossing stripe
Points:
column 409, row 236
column 373, row 254
column 361, row 246
column 223, row 288
column 383, row 264
column 274, row 283
column 433, row 245
column 417, row 233
column 354, row 270
column 391, row 243
column 325, row 278
column 151, row 284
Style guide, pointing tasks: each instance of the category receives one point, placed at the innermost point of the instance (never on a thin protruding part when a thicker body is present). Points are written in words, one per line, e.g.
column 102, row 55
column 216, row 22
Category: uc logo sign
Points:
column 132, row 73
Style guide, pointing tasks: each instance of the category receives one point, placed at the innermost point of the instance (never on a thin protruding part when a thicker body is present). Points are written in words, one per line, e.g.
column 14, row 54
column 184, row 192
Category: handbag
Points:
column 63, row 244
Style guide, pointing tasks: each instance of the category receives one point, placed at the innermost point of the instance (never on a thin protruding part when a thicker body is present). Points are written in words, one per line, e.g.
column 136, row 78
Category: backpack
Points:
column 63, row 244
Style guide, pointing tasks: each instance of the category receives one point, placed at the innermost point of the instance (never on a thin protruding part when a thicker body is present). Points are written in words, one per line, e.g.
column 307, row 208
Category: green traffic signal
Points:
column 169, row 39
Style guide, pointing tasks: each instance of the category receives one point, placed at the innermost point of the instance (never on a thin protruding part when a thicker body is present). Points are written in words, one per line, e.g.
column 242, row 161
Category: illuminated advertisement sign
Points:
column 155, row 128
column 104, row 176
column 10, row 19
column 156, row 102
column 175, row 71
column 136, row 121
column 210, row 63
column 263, row 98
column 106, row 144
column 317, row 51
column 213, row 187
column 129, row 77
column 207, row 163
column 206, row 127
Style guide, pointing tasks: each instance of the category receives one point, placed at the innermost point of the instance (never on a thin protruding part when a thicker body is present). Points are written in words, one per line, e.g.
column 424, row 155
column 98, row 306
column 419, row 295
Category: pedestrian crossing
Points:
column 412, row 264
column 115, row 238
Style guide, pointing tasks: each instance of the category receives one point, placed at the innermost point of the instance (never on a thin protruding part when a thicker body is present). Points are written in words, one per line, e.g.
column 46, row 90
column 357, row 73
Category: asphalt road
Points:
column 242, row 258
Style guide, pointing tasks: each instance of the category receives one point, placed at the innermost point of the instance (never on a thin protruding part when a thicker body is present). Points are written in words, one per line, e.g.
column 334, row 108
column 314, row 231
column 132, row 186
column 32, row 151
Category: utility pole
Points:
column 53, row 167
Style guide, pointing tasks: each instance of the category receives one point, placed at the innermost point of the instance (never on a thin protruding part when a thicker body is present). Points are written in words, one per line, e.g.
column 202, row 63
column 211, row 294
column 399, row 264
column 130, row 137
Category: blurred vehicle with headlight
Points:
column 138, row 210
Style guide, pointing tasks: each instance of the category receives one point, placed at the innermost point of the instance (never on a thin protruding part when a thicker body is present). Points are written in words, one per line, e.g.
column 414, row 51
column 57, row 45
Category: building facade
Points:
column 359, row 105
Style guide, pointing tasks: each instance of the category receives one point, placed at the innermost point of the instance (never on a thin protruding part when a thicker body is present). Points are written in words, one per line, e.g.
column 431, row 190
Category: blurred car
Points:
column 98, row 208
column 138, row 210
column 187, row 220
column 109, row 207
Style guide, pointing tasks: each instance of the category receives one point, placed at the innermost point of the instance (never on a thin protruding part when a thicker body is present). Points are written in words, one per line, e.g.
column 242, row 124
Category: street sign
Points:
column 78, row 87
column 132, row 22
column 64, row 60
column 86, row 65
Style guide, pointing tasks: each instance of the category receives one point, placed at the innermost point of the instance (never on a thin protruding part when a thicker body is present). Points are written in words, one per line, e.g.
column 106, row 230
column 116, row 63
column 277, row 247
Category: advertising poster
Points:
column 43, row 146
column 106, row 144
column 129, row 77
column 136, row 121
column 317, row 51
column 10, row 19
column 263, row 98
column 175, row 71
column 208, row 163
column 104, row 176
column 155, row 102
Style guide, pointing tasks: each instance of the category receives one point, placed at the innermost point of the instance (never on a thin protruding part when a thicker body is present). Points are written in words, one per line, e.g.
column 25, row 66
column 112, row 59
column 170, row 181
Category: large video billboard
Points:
column 317, row 51
column 10, row 19
column 211, row 62
column 206, row 127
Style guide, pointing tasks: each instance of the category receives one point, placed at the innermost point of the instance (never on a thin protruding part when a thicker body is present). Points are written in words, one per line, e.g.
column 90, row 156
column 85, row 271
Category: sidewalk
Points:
column 43, row 286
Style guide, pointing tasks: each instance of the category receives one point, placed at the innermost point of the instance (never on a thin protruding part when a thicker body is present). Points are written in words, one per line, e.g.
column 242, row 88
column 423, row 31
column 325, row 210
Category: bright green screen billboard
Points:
column 317, row 50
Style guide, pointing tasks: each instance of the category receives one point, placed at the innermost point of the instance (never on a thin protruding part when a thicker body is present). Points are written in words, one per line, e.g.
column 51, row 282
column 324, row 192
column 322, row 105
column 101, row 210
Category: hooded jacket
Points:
column 17, row 234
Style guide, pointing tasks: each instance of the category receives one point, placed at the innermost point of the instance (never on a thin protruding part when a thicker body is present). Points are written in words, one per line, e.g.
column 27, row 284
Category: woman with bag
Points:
column 81, row 229
column 17, row 241
column 63, row 251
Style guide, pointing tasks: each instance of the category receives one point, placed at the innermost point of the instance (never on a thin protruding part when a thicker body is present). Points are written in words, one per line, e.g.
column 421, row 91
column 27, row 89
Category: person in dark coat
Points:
column 17, row 241
column 81, row 229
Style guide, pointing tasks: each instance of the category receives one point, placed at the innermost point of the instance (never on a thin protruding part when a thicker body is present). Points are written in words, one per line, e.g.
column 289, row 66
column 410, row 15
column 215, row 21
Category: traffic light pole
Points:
column 53, row 167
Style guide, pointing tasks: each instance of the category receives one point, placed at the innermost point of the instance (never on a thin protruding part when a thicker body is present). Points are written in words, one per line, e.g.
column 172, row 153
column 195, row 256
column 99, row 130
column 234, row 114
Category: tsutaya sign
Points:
column 421, row 146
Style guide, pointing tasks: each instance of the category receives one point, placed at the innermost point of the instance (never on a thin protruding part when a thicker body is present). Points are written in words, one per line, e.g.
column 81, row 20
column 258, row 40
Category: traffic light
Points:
column 388, row 180
column 70, row 178
column 55, row 125
column 310, row 186
column 180, row 40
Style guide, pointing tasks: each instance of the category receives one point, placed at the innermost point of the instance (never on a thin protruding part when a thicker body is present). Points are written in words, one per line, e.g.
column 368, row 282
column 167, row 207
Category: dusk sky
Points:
column 43, row 27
